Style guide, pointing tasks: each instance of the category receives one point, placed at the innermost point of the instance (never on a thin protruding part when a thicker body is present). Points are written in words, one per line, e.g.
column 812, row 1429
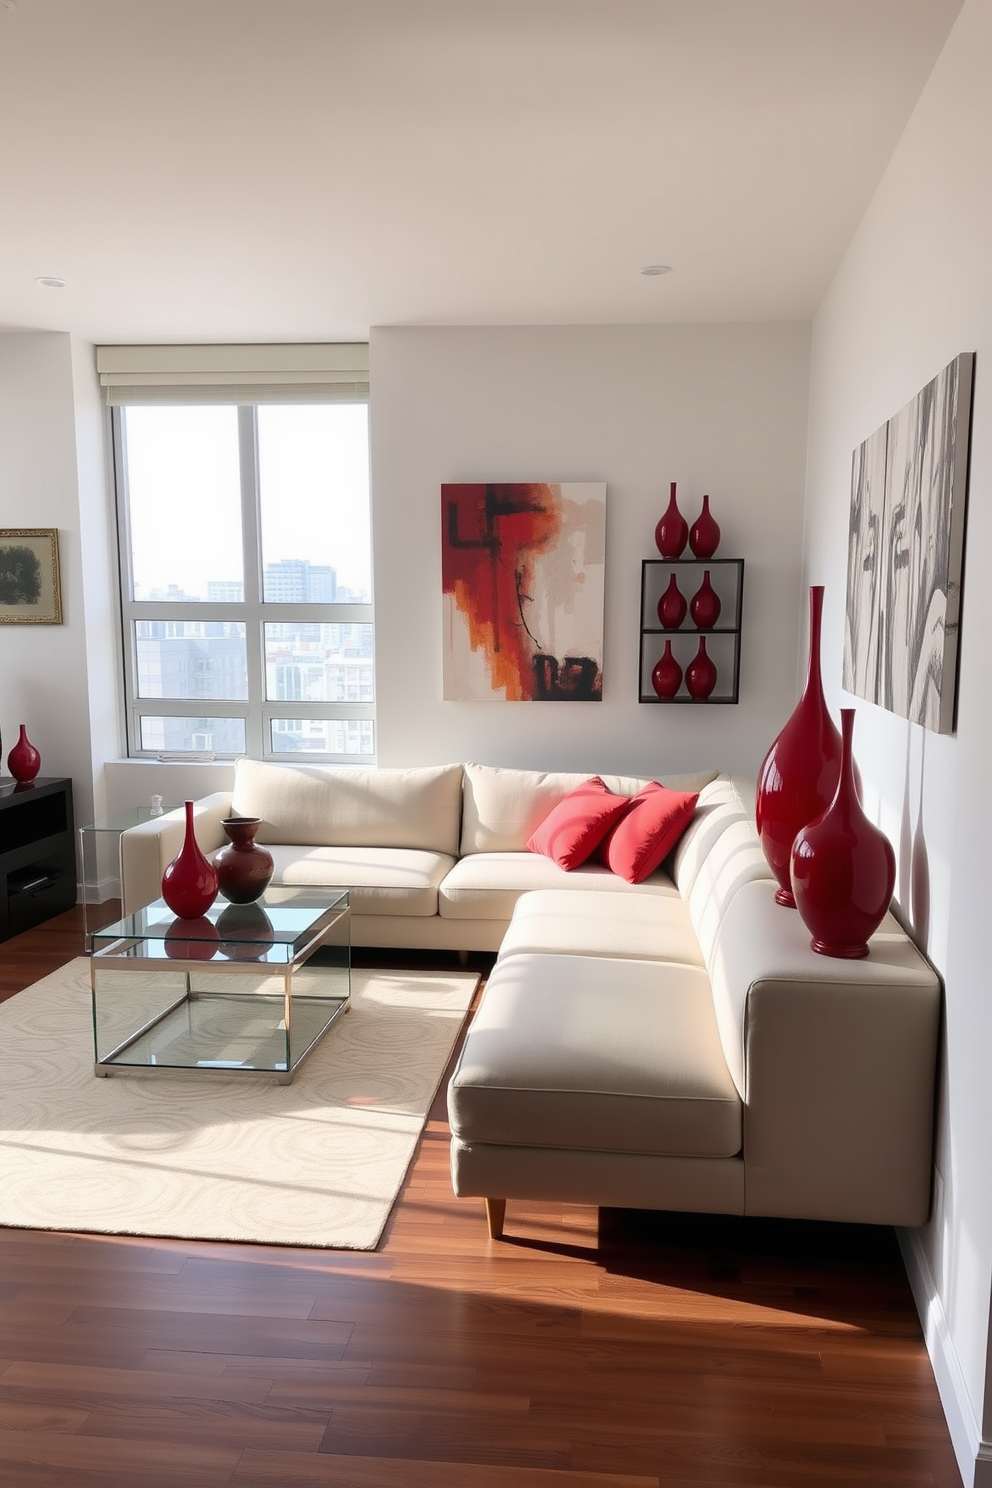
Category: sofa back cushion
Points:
column 315, row 806
column 502, row 807
column 718, row 853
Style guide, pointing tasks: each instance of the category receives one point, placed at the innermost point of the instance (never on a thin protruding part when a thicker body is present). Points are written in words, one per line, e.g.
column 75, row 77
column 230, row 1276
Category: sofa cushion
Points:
column 584, row 1053
column 646, row 833
column 382, row 881
column 718, row 854
column 640, row 927
column 573, row 829
column 314, row 806
column 486, row 886
column 502, row 807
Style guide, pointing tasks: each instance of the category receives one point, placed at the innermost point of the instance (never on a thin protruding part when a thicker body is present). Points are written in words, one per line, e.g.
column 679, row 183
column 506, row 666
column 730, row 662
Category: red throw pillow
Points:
column 646, row 834
column 574, row 828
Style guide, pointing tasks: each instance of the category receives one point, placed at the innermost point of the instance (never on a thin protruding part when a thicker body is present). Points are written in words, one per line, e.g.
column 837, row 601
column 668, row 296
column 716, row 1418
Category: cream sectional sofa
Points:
column 673, row 1044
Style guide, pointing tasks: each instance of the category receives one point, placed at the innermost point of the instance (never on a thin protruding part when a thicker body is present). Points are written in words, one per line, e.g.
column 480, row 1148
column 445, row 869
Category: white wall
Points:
column 913, row 291
column 46, row 393
column 716, row 408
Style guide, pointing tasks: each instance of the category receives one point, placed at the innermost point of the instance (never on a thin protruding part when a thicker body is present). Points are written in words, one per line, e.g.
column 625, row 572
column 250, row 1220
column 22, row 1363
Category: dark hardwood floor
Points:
column 587, row 1350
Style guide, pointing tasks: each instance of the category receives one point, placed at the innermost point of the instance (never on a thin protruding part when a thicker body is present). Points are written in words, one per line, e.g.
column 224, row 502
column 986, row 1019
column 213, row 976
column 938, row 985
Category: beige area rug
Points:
column 217, row 1157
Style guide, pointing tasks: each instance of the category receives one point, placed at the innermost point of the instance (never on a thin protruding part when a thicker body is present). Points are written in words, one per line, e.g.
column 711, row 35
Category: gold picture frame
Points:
column 30, row 589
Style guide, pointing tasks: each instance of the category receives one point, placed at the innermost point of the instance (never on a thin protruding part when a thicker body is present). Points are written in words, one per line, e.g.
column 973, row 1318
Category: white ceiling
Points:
column 283, row 170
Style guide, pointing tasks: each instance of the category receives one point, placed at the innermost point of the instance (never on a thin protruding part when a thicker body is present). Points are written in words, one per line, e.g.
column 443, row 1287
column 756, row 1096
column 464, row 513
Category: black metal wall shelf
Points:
column 723, row 639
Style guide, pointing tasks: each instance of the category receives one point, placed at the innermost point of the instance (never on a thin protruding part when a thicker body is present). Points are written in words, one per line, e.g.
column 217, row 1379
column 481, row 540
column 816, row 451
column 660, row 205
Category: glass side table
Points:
column 240, row 990
column 100, row 862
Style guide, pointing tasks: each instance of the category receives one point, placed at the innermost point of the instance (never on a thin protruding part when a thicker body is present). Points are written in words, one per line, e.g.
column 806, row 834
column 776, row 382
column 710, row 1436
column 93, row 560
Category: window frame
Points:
column 257, row 711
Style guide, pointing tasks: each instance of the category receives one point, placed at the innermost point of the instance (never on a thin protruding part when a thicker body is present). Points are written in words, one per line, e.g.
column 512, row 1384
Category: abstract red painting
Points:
column 522, row 568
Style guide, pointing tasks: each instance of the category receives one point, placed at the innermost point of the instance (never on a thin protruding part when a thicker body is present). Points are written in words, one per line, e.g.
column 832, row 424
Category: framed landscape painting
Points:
column 522, row 569
column 906, row 551
column 30, row 591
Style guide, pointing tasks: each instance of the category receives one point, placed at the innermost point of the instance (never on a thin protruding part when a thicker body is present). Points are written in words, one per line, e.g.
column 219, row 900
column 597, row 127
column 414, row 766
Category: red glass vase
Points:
column 243, row 868
column 843, row 867
column 799, row 774
column 23, row 761
column 704, row 607
column 704, row 534
column 666, row 677
column 196, row 939
column 672, row 531
column 672, row 606
column 189, row 884
column 700, row 674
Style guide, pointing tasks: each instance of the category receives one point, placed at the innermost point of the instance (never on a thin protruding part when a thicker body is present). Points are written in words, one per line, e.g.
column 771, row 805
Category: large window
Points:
column 246, row 578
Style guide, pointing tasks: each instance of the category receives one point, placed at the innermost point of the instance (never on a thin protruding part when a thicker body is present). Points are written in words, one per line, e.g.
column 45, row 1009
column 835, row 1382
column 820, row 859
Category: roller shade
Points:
column 306, row 372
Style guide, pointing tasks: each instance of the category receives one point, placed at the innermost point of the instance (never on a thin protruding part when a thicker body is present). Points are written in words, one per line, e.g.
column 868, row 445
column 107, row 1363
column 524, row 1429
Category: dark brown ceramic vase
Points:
column 244, row 869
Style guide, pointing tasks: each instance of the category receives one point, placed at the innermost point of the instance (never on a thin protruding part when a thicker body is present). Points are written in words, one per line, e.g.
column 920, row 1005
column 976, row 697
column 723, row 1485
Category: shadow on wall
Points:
column 914, row 861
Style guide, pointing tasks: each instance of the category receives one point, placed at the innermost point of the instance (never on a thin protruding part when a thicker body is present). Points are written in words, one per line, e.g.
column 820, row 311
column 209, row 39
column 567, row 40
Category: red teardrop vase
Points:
column 189, row 884
column 704, row 607
column 843, row 867
column 704, row 534
column 23, row 761
column 243, row 868
column 700, row 674
column 666, row 678
column 672, row 606
column 196, row 939
column 799, row 774
column 672, row 531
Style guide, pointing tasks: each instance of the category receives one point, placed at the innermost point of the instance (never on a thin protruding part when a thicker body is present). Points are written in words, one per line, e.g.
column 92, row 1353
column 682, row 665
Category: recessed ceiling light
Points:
column 51, row 281
column 654, row 269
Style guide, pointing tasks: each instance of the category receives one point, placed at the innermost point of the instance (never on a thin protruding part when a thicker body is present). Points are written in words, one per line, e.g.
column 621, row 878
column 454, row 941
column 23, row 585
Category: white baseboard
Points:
column 974, row 1456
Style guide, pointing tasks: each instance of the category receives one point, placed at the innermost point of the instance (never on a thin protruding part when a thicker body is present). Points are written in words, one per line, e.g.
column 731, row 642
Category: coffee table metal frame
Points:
column 273, row 938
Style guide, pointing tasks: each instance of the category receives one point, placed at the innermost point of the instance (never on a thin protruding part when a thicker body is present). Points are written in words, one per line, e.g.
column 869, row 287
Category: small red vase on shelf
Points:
column 189, row 884
column 700, row 674
column 704, row 607
column 843, row 868
column 243, row 868
column 666, row 677
column 704, row 534
column 799, row 774
column 23, row 761
column 672, row 531
column 672, row 606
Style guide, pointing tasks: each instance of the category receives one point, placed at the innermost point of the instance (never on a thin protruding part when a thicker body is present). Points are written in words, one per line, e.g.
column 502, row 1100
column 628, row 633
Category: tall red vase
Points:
column 23, row 761
column 700, row 674
column 672, row 531
column 843, row 867
column 666, row 676
column 799, row 774
column 672, row 606
column 189, row 884
column 243, row 868
column 704, row 534
column 704, row 607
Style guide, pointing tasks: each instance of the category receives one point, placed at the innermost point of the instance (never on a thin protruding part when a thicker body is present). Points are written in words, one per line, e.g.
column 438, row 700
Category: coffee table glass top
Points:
column 275, row 929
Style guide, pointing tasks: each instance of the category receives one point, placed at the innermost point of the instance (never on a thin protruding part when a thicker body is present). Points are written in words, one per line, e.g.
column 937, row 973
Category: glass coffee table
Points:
column 241, row 990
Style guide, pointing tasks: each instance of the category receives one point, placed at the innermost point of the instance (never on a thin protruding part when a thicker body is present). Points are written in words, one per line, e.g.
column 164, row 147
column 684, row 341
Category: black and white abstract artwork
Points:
column 905, row 553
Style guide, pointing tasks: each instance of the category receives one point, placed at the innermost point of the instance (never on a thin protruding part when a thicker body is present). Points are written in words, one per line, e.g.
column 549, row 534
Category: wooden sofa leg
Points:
column 463, row 958
column 495, row 1214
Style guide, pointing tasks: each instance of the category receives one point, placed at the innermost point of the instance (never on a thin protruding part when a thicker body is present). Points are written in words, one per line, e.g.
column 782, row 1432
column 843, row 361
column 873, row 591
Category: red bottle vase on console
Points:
column 23, row 761
column 704, row 534
column 666, row 678
column 243, row 868
column 672, row 531
column 843, row 867
column 700, row 674
column 704, row 607
column 672, row 606
column 799, row 774
column 189, row 884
